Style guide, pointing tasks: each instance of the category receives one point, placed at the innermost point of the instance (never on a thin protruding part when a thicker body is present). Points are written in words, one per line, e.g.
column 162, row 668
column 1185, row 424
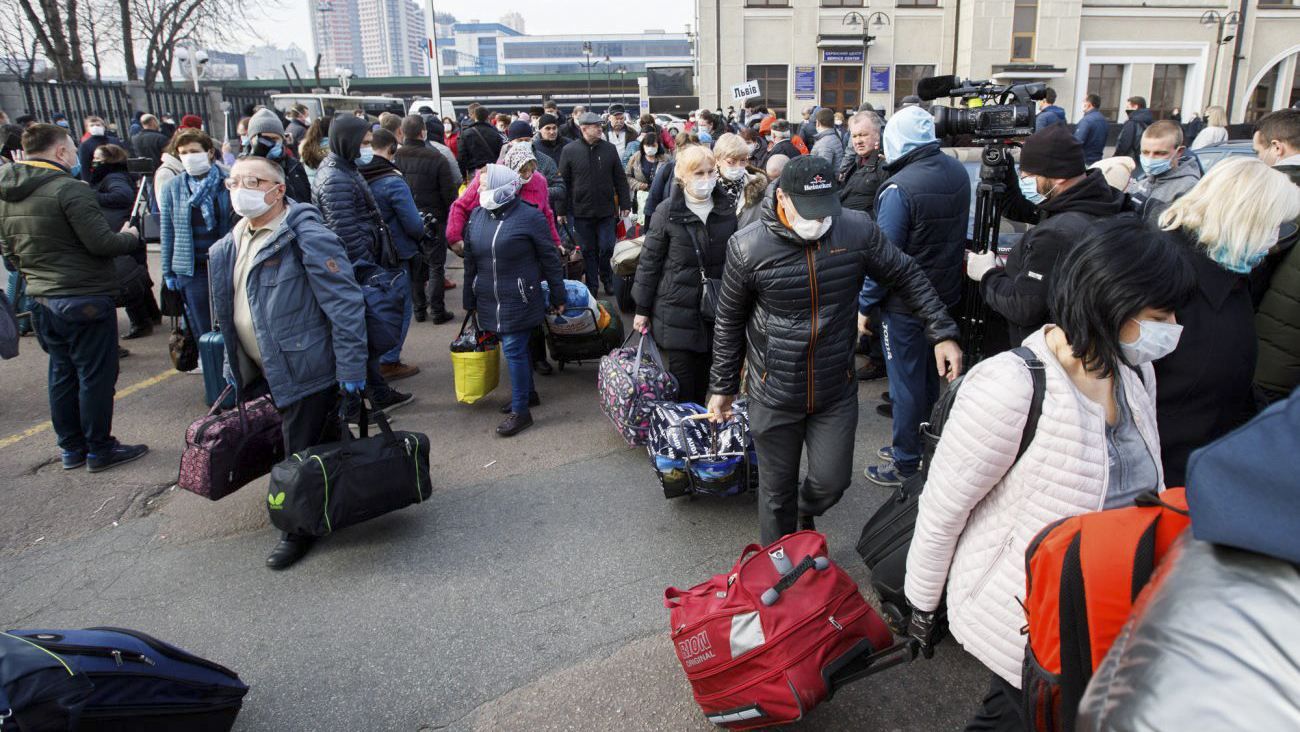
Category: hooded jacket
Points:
column 667, row 285
column 1048, row 116
column 507, row 257
column 788, row 309
column 1278, row 318
column 169, row 168
column 396, row 205
column 829, row 145
column 53, row 232
column 534, row 192
column 479, row 145
column 341, row 195
column 114, row 192
column 1130, row 134
column 308, row 312
column 595, row 178
column 1152, row 194
column 1019, row 292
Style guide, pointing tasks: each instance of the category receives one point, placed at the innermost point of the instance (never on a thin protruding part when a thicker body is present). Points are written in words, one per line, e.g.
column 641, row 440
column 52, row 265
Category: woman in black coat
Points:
column 509, row 253
column 116, row 195
column 1228, row 222
column 689, row 231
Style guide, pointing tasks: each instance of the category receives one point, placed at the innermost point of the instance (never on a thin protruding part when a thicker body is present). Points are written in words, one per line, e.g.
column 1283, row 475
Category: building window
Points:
column 1105, row 81
column 905, row 80
column 918, row 3
column 1167, row 89
column 843, row 3
column 767, row 3
column 1261, row 99
column 774, row 83
column 1024, row 26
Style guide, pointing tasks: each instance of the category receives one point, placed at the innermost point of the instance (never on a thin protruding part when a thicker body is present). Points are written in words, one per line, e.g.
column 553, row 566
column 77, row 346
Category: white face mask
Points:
column 487, row 198
column 734, row 174
column 651, row 150
column 752, row 147
column 196, row 163
column 1155, row 341
column 97, row 130
column 700, row 190
column 249, row 202
column 807, row 229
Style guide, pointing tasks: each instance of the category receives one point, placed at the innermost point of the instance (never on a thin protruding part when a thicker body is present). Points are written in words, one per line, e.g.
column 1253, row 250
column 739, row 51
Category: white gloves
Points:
column 978, row 265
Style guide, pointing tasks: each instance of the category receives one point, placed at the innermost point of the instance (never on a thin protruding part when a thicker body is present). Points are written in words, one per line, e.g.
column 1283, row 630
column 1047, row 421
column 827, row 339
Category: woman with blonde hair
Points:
column 743, row 183
column 1229, row 221
column 688, row 235
column 1216, row 129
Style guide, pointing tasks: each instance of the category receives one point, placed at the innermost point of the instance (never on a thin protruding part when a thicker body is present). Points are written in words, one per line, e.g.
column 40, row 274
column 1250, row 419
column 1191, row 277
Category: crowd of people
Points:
column 1163, row 298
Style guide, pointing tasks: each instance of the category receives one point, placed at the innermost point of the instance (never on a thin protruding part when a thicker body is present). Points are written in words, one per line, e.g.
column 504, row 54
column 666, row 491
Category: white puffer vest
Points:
column 978, row 513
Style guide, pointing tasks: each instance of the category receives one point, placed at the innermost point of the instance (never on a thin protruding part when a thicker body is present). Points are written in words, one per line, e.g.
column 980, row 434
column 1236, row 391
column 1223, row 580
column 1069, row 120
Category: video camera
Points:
column 1005, row 111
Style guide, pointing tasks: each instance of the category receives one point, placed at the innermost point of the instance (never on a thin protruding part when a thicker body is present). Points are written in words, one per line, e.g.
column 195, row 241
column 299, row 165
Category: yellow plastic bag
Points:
column 477, row 374
column 605, row 317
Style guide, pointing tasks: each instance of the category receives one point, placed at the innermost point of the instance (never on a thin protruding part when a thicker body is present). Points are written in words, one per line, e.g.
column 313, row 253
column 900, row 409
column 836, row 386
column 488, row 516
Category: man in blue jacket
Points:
column 1048, row 113
column 301, row 339
column 923, row 209
column 1091, row 130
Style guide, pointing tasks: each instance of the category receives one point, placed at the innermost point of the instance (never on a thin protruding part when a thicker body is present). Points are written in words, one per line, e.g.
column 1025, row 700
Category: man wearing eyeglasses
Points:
column 284, row 281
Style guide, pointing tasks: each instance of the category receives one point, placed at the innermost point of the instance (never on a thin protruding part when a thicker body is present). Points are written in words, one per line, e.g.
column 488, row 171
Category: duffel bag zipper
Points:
column 171, row 652
column 118, row 656
column 775, row 640
column 784, row 667
column 413, row 452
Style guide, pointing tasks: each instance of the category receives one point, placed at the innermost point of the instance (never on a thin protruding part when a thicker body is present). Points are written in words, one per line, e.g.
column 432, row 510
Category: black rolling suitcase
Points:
column 323, row 489
column 579, row 347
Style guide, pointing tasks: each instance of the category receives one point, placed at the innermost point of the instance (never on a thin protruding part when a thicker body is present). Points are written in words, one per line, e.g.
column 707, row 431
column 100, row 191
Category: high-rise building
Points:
column 336, row 33
column 513, row 20
column 392, row 37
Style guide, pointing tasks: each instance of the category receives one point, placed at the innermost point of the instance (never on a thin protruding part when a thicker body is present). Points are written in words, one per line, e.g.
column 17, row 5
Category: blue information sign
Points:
column 805, row 82
column 879, row 79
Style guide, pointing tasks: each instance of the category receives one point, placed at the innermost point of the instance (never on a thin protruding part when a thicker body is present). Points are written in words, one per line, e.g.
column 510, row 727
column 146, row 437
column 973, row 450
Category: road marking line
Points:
column 128, row 391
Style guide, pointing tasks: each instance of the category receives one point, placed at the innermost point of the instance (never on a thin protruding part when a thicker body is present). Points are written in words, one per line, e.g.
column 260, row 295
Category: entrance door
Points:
column 841, row 87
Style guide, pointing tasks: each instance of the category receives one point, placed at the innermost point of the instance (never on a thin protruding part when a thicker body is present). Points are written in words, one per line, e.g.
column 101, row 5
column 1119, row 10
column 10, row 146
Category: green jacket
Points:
column 53, row 231
column 1278, row 320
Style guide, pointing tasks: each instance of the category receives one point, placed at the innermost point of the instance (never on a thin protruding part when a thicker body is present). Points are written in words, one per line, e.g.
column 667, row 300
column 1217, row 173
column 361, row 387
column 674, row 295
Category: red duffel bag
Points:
column 777, row 635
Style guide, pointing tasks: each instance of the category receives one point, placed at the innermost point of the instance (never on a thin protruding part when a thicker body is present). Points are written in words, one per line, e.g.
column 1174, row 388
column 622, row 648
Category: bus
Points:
column 325, row 106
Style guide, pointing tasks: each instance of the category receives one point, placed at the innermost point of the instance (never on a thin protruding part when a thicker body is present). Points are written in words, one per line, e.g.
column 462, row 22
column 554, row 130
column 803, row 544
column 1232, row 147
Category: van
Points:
column 327, row 105
column 443, row 108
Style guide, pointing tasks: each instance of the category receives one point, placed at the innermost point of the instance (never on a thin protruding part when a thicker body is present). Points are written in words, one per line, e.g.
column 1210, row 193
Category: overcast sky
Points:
column 291, row 21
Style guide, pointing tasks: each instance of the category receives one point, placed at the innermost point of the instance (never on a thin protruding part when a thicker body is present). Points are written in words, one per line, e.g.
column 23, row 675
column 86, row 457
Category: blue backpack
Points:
column 111, row 679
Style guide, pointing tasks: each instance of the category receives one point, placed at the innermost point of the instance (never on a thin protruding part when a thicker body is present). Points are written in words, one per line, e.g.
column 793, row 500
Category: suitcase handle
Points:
column 773, row 593
column 853, row 666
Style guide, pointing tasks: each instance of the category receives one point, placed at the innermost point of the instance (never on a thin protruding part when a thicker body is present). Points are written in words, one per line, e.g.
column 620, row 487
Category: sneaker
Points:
column 354, row 417
column 534, row 400
column 885, row 410
column 73, row 459
column 886, row 453
column 138, row 331
column 117, row 455
column 197, row 370
column 543, row 367
column 397, row 371
column 448, row 284
column 888, row 476
column 872, row 371
column 514, row 424
column 444, row 317
column 393, row 399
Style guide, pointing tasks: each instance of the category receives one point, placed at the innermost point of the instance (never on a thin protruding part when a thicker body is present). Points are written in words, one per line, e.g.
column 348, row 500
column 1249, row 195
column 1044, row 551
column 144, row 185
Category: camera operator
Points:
column 923, row 209
column 1055, row 192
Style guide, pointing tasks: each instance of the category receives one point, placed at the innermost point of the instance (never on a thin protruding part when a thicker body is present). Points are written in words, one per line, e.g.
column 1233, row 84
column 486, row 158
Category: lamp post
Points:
column 874, row 21
column 622, row 84
column 197, row 61
column 586, row 50
column 345, row 78
column 609, row 81
column 1212, row 17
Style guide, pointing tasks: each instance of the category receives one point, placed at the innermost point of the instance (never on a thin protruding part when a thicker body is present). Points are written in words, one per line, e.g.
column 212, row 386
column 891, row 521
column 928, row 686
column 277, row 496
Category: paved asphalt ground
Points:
column 525, row 595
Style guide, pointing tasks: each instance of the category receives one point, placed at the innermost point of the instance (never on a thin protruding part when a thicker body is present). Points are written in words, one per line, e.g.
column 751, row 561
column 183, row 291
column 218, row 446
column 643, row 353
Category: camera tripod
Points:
column 995, row 165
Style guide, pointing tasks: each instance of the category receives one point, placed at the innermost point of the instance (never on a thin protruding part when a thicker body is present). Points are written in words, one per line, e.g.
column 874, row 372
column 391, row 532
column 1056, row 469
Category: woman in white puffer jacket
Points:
column 1096, row 446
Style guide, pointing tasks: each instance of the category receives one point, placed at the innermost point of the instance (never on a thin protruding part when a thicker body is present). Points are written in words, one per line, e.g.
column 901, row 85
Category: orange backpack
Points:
column 1082, row 576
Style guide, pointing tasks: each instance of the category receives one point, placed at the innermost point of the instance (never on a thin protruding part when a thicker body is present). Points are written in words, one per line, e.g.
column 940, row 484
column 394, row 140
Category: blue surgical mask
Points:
column 76, row 169
column 367, row 154
column 276, row 152
column 1029, row 189
column 62, row 123
column 1156, row 166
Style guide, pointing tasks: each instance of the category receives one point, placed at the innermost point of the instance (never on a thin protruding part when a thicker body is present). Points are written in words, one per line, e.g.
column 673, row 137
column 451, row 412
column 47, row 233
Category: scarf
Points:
column 517, row 154
column 733, row 189
column 501, row 183
column 204, row 197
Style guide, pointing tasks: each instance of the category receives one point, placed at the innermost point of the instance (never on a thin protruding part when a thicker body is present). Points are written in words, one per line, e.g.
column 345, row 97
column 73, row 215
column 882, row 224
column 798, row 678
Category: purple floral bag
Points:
column 224, row 452
column 631, row 382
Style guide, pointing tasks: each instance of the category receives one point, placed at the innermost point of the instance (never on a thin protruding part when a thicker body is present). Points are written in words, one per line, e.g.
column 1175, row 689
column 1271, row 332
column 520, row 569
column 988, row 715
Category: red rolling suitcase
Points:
column 777, row 635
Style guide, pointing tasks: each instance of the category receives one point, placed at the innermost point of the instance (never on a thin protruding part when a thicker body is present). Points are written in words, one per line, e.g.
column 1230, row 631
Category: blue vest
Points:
column 937, row 190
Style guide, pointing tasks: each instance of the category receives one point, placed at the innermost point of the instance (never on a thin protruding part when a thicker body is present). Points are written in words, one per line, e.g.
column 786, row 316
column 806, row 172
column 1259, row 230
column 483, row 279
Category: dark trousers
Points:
column 913, row 383
column 310, row 421
column 691, row 370
column 537, row 345
column 428, row 273
column 779, row 439
column 596, row 237
column 80, row 335
column 1001, row 711
column 198, row 305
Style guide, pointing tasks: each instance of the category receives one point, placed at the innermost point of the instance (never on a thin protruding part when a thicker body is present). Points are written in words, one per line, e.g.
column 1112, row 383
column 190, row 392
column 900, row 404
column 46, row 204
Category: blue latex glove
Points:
column 170, row 283
column 353, row 387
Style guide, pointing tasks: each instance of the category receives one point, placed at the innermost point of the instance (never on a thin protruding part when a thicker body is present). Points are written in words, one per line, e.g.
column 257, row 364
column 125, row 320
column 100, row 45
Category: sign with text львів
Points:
column 805, row 82
column 741, row 92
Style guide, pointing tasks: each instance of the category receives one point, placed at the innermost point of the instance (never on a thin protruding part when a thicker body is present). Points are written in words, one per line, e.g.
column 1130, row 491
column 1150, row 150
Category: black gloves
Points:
column 921, row 629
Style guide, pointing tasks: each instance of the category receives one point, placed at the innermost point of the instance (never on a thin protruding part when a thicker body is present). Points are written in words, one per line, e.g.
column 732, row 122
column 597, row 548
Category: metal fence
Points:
column 76, row 100
column 177, row 102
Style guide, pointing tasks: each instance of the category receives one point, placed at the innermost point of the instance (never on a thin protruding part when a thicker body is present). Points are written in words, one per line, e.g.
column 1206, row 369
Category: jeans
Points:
column 779, row 440
column 913, row 383
column 198, row 304
column 520, row 363
column 395, row 355
column 80, row 335
column 596, row 237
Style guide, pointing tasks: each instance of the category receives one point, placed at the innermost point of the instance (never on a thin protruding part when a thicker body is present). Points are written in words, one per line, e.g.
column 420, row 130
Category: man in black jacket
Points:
column 478, row 144
column 1065, row 201
column 548, row 141
column 1129, row 142
column 597, row 193
column 570, row 130
column 432, row 184
column 863, row 170
column 149, row 142
column 807, row 257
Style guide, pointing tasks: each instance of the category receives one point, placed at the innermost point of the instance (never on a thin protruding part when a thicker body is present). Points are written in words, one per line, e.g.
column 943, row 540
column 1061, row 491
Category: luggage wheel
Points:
column 895, row 618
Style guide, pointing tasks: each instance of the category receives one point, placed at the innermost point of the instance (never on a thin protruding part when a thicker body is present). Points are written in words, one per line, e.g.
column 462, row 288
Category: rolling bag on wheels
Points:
column 325, row 488
column 692, row 456
column 212, row 356
column 586, row 346
column 111, row 680
column 777, row 635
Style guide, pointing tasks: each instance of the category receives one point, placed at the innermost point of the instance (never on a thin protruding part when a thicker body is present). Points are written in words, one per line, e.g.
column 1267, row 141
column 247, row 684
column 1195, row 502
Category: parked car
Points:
column 1214, row 154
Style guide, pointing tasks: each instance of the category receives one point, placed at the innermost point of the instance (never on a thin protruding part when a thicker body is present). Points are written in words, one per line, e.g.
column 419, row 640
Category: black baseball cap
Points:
column 809, row 182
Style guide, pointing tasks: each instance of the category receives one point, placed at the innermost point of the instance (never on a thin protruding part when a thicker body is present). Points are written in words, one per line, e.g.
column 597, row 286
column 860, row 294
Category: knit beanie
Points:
column 264, row 121
column 519, row 129
column 192, row 121
column 1052, row 153
column 547, row 119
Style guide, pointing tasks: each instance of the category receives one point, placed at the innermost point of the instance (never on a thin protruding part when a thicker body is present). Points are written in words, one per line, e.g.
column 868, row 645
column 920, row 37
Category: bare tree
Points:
column 164, row 25
column 128, row 38
column 57, row 36
column 18, row 43
column 99, row 19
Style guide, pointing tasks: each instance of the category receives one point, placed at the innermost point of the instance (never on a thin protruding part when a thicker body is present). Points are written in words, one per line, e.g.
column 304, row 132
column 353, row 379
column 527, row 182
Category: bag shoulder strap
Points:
column 1038, row 373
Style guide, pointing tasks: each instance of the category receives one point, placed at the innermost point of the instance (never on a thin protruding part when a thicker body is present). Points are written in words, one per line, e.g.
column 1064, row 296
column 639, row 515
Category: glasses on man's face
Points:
column 246, row 181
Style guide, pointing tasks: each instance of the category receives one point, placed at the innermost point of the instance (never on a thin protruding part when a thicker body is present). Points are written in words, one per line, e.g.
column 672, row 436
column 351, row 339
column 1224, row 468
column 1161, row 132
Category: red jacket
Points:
column 534, row 192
